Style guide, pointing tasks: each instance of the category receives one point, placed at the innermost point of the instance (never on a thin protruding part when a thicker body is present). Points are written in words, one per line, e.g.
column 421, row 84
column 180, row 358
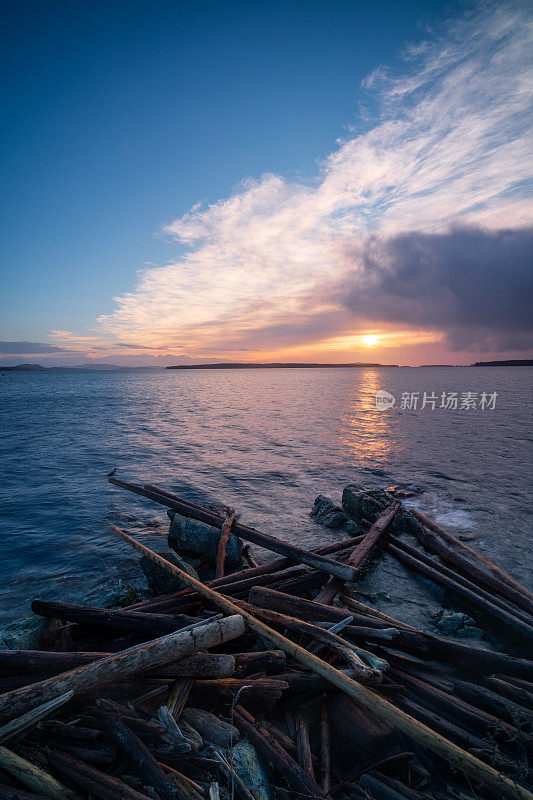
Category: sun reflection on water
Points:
column 367, row 435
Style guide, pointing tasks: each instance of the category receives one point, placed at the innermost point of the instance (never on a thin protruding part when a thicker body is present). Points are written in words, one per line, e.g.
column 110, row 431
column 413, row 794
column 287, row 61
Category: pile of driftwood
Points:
column 242, row 685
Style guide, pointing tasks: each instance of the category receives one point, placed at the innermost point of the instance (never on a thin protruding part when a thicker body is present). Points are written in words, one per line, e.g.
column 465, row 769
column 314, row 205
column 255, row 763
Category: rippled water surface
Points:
column 264, row 441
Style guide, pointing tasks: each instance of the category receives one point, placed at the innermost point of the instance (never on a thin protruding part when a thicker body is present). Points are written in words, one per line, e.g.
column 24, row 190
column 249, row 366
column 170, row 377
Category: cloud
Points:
column 31, row 348
column 449, row 146
column 474, row 284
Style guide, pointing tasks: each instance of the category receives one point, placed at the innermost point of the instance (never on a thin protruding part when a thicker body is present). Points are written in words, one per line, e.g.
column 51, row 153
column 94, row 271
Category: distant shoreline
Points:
column 527, row 362
column 280, row 365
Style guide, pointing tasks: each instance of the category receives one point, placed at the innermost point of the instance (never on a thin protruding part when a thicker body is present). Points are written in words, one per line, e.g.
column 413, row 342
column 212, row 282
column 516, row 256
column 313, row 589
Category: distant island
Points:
column 275, row 365
column 520, row 362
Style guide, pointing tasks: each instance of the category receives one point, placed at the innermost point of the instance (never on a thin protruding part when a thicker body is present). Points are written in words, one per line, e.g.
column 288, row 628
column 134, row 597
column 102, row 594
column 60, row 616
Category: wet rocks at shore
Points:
column 190, row 537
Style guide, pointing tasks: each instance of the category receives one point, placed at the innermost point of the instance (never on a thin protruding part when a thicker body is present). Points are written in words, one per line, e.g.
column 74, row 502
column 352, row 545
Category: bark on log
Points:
column 212, row 729
column 275, row 755
column 472, row 597
column 91, row 780
column 136, row 659
column 484, row 562
column 43, row 662
column 34, row 777
column 249, row 534
column 256, row 692
column 423, row 735
column 116, row 619
column 272, row 661
column 221, row 554
column 142, row 761
column 422, row 644
column 303, row 746
column 334, row 585
column 325, row 756
column 22, row 723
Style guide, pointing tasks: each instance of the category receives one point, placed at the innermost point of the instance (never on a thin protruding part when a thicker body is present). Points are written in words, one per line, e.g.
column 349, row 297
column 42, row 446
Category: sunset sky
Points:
column 297, row 181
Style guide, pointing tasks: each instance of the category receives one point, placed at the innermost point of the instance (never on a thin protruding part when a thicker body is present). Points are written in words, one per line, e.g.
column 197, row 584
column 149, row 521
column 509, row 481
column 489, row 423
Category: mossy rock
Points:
column 160, row 581
column 359, row 503
column 187, row 536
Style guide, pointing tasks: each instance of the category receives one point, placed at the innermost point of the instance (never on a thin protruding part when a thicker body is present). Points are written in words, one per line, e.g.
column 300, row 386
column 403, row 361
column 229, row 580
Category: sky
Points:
column 266, row 181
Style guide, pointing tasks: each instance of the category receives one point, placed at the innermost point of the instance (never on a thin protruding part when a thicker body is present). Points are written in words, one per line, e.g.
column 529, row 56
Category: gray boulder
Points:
column 188, row 536
column 326, row 513
column 159, row 581
column 362, row 503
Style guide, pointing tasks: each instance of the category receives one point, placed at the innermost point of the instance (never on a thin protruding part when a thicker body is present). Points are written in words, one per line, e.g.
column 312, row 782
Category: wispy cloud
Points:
column 31, row 348
column 450, row 146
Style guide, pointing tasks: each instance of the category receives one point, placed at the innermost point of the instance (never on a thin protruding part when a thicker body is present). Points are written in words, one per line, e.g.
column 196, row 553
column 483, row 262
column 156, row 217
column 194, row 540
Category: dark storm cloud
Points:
column 31, row 348
column 473, row 284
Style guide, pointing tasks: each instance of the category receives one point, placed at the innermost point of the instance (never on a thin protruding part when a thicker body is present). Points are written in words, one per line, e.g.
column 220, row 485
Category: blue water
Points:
column 264, row 441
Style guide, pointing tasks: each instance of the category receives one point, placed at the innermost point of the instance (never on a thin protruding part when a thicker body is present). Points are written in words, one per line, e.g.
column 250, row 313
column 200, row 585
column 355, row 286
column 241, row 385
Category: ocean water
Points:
column 266, row 442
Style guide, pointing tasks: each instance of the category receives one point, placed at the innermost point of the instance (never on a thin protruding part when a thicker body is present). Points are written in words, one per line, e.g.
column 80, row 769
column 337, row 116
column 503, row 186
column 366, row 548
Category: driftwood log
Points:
column 422, row 734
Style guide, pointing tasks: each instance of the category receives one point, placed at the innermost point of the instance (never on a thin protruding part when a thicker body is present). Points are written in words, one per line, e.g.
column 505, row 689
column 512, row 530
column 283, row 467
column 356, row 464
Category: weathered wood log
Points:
column 256, row 692
column 378, row 790
column 179, row 695
column 515, row 693
column 360, row 670
column 523, row 684
column 303, row 746
column 265, row 540
column 205, row 665
column 272, row 661
column 141, row 760
column 483, row 749
column 117, row 619
column 141, row 726
column 470, row 596
column 173, row 733
column 30, row 718
column 422, row 644
column 460, row 579
column 99, row 753
column 221, row 554
column 71, row 733
column 275, row 755
column 393, row 783
column 483, row 562
column 494, row 703
column 356, row 605
column 136, row 659
column 325, row 756
column 212, row 729
column 308, row 683
column 34, row 777
column 420, row 733
column 89, row 779
column 8, row 793
column 465, row 713
column 334, row 585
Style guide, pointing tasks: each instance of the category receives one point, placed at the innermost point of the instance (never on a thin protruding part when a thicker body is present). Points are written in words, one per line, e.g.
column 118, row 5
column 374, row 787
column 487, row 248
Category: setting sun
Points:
column 370, row 340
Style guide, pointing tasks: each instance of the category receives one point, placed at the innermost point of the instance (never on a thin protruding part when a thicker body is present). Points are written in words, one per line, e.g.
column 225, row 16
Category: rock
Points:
column 251, row 771
column 455, row 623
column 26, row 633
column 326, row 513
column 118, row 595
column 188, row 536
column 159, row 581
column 359, row 503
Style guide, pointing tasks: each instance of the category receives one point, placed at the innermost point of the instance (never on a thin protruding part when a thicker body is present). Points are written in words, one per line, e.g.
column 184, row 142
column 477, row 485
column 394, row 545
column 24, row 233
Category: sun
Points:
column 370, row 339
